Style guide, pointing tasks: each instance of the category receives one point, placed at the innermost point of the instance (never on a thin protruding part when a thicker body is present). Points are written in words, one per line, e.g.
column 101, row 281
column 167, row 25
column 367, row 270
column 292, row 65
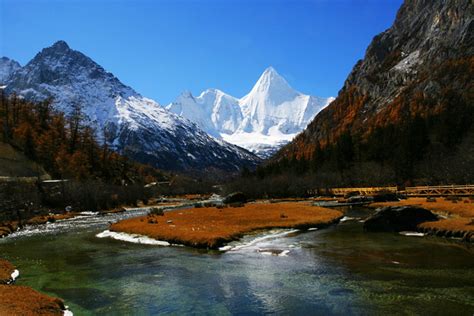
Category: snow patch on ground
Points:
column 14, row 276
column 68, row 313
column 87, row 213
column 260, row 243
column 347, row 218
column 133, row 238
column 413, row 234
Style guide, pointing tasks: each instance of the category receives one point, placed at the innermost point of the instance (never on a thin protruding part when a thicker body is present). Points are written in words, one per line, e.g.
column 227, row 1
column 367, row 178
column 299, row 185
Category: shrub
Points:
column 157, row 211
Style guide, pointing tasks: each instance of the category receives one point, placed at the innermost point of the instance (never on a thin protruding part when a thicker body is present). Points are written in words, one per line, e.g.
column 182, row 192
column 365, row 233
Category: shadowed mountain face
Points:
column 421, row 66
column 132, row 124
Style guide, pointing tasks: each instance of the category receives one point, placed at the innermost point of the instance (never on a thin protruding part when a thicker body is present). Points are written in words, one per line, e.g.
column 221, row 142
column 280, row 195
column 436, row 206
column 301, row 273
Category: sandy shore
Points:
column 459, row 221
column 22, row 300
column 212, row 227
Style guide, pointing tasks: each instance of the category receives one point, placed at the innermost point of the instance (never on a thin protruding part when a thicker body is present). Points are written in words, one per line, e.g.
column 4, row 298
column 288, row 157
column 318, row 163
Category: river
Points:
column 339, row 270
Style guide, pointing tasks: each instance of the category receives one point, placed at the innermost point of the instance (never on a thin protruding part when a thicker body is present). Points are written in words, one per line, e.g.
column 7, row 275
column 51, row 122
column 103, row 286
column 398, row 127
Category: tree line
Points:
column 431, row 142
column 64, row 144
column 67, row 148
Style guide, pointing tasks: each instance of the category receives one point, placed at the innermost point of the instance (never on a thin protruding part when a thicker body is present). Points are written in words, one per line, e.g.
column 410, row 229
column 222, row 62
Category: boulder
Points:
column 236, row 197
column 360, row 199
column 399, row 218
column 386, row 197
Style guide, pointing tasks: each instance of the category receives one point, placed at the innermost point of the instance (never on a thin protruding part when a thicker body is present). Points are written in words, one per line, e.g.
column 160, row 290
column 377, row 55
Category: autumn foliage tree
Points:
column 64, row 144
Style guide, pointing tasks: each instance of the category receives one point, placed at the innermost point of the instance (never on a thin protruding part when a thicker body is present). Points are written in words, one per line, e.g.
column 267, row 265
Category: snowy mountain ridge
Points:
column 269, row 116
column 7, row 67
column 135, row 126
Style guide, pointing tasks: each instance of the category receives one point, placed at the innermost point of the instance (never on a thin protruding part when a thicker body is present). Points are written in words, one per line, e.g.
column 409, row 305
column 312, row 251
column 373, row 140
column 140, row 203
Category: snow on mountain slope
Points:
column 213, row 111
column 7, row 67
column 136, row 126
column 262, row 121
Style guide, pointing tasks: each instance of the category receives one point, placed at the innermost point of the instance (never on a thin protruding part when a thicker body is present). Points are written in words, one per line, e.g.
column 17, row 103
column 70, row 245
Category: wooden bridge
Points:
column 362, row 191
column 443, row 190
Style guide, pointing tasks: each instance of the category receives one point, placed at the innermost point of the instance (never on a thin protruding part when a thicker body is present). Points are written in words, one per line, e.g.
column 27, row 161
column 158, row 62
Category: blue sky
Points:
column 163, row 47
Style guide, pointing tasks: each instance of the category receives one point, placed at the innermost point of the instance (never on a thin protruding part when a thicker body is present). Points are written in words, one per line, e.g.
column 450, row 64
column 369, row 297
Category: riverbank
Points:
column 22, row 300
column 6, row 271
column 212, row 227
column 457, row 217
column 9, row 227
column 338, row 270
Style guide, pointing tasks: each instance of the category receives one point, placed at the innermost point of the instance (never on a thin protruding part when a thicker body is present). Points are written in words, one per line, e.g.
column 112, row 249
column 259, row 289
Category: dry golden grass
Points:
column 440, row 206
column 461, row 224
column 6, row 270
column 22, row 300
column 212, row 227
column 193, row 196
column 461, row 214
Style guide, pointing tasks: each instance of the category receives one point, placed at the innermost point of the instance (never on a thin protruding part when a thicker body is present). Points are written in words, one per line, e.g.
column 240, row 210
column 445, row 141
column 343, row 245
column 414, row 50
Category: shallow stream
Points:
column 334, row 271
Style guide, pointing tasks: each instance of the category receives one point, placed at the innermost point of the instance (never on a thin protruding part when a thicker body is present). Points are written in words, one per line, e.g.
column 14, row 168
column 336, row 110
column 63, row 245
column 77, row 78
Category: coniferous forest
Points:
column 65, row 147
column 424, row 140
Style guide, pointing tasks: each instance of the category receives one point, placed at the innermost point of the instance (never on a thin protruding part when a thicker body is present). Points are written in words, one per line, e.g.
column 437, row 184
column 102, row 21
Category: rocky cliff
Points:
column 416, row 79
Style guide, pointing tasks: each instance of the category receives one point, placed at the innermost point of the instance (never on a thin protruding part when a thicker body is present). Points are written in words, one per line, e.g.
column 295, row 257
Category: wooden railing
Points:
column 362, row 191
column 441, row 190
column 459, row 190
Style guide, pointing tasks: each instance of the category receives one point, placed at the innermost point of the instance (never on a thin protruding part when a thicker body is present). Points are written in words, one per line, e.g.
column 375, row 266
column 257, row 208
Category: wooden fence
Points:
column 444, row 190
column 362, row 191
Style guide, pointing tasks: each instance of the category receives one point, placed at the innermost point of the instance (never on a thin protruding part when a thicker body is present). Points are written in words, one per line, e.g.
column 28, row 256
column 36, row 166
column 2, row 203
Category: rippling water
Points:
column 334, row 271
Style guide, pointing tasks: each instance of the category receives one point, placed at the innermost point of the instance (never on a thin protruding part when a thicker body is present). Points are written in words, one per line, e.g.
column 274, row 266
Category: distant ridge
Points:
column 133, row 125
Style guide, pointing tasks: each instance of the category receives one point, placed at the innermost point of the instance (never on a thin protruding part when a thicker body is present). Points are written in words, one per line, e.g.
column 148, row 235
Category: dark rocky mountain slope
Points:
column 406, row 108
column 131, row 124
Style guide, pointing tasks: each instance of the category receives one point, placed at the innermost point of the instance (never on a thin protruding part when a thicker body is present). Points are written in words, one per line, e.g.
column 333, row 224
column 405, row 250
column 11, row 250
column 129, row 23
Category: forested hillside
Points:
column 63, row 145
column 404, row 115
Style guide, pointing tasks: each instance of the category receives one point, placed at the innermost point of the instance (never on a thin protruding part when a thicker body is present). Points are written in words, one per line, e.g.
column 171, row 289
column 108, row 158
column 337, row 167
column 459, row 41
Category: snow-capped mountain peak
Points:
column 270, row 88
column 271, row 114
column 134, row 125
column 213, row 110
